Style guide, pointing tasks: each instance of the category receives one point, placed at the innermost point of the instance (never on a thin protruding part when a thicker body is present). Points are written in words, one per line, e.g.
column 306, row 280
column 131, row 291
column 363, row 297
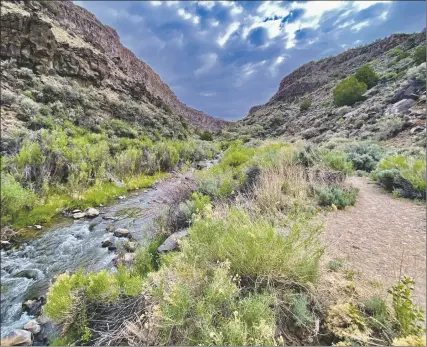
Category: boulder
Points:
column 78, row 215
column 172, row 242
column 129, row 258
column 17, row 337
column 32, row 326
column 92, row 212
column 38, row 227
column 107, row 243
column 121, row 232
column 33, row 307
column 417, row 130
column 5, row 245
column 131, row 246
column 400, row 107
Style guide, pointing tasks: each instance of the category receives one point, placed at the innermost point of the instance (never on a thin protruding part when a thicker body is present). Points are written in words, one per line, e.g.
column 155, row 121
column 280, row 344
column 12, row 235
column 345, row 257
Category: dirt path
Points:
column 382, row 237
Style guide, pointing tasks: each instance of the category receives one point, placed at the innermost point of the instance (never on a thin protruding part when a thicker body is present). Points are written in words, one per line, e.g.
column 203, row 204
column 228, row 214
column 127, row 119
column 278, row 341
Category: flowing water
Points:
column 27, row 272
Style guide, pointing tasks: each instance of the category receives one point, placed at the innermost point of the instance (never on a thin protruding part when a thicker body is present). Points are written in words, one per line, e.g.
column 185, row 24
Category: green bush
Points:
column 14, row 198
column 291, row 257
column 336, row 196
column 367, row 75
column 337, row 160
column 420, row 55
column 404, row 174
column 409, row 315
column 197, row 205
column 206, row 136
column 349, row 91
column 364, row 156
column 305, row 104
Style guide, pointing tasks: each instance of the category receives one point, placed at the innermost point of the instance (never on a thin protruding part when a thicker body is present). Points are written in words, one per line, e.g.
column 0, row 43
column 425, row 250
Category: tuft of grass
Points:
column 336, row 264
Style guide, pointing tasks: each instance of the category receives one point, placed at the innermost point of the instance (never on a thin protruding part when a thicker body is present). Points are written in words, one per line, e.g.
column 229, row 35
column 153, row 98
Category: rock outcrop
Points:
column 392, row 108
column 61, row 38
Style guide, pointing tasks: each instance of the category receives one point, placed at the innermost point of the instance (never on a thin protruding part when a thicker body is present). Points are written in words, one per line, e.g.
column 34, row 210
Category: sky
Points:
column 223, row 57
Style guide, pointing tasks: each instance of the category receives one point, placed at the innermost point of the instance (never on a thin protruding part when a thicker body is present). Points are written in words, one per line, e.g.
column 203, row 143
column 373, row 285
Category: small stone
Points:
column 416, row 130
column 78, row 215
column 17, row 337
column 32, row 326
column 131, row 246
column 112, row 248
column 38, row 227
column 129, row 258
column 121, row 232
column 107, row 243
column 76, row 211
column 5, row 245
column 121, row 197
column 92, row 212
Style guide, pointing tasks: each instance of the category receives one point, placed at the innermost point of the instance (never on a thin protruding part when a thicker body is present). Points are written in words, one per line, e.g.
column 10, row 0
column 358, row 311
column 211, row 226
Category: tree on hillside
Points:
column 367, row 75
column 420, row 55
column 206, row 136
column 349, row 91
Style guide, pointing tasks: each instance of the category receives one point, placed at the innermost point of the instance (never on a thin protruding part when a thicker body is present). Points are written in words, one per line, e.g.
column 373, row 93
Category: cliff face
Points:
column 395, row 107
column 61, row 38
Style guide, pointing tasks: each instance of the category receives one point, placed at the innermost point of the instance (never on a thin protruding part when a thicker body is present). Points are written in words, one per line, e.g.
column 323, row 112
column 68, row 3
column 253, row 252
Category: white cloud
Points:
column 172, row 3
column 272, row 8
column 235, row 8
column 230, row 30
column 184, row 14
column 188, row 16
column 123, row 14
column 214, row 23
column 276, row 62
column 360, row 25
column 206, row 4
column 247, row 70
column 207, row 94
column 345, row 24
column 156, row 3
column 208, row 62
column 362, row 5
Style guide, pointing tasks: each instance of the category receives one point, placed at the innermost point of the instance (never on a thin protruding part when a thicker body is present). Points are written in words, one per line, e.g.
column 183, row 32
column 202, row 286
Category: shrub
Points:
column 367, row 75
column 198, row 204
column 302, row 315
column 420, row 55
column 335, row 265
column 305, row 104
column 403, row 173
column 377, row 308
column 410, row 341
column 364, row 156
column 293, row 256
column 336, row 160
column 14, row 198
column 336, row 196
column 346, row 321
column 27, row 108
column 349, row 91
column 7, row 97
column 206, row 136
column 409, row 315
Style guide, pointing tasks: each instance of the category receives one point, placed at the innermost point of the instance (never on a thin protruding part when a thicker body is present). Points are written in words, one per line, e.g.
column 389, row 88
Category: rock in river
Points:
column 78, row 215
column 107, row 243
column 92, row 212
column 32, row 326
column 17, row 337
column 121, row 232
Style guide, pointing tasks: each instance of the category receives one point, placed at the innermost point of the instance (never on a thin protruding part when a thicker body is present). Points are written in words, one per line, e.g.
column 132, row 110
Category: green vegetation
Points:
column 249, row 267
column 73, row 168
column 349, row 91
column 420, row 55
column 305, row 104
column 367, row 75
column 206, row 136
column 403, row 175
column 409, row 315
column 341, row 198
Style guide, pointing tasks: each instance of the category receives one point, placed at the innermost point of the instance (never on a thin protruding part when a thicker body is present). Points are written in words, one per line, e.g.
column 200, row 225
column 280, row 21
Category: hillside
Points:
column 394, row 108
column 59, row 52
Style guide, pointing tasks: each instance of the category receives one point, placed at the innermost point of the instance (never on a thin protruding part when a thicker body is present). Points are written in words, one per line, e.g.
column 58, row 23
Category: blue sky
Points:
column 224, row 57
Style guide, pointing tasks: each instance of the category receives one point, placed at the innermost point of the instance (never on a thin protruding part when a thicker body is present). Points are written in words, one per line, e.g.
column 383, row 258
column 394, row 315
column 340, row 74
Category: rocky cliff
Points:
column 394, row 108
column 60, row 38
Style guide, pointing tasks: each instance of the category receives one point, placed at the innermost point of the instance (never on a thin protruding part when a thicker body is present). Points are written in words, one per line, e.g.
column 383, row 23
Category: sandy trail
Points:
column 381, row 236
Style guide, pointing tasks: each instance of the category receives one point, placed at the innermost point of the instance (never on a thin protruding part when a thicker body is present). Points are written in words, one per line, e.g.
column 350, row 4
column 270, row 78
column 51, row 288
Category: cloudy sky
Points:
column 224, row 57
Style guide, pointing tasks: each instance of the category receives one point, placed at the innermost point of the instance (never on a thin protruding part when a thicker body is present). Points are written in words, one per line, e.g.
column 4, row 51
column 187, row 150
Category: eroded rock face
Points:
column 397, row 98
column 59, row 37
